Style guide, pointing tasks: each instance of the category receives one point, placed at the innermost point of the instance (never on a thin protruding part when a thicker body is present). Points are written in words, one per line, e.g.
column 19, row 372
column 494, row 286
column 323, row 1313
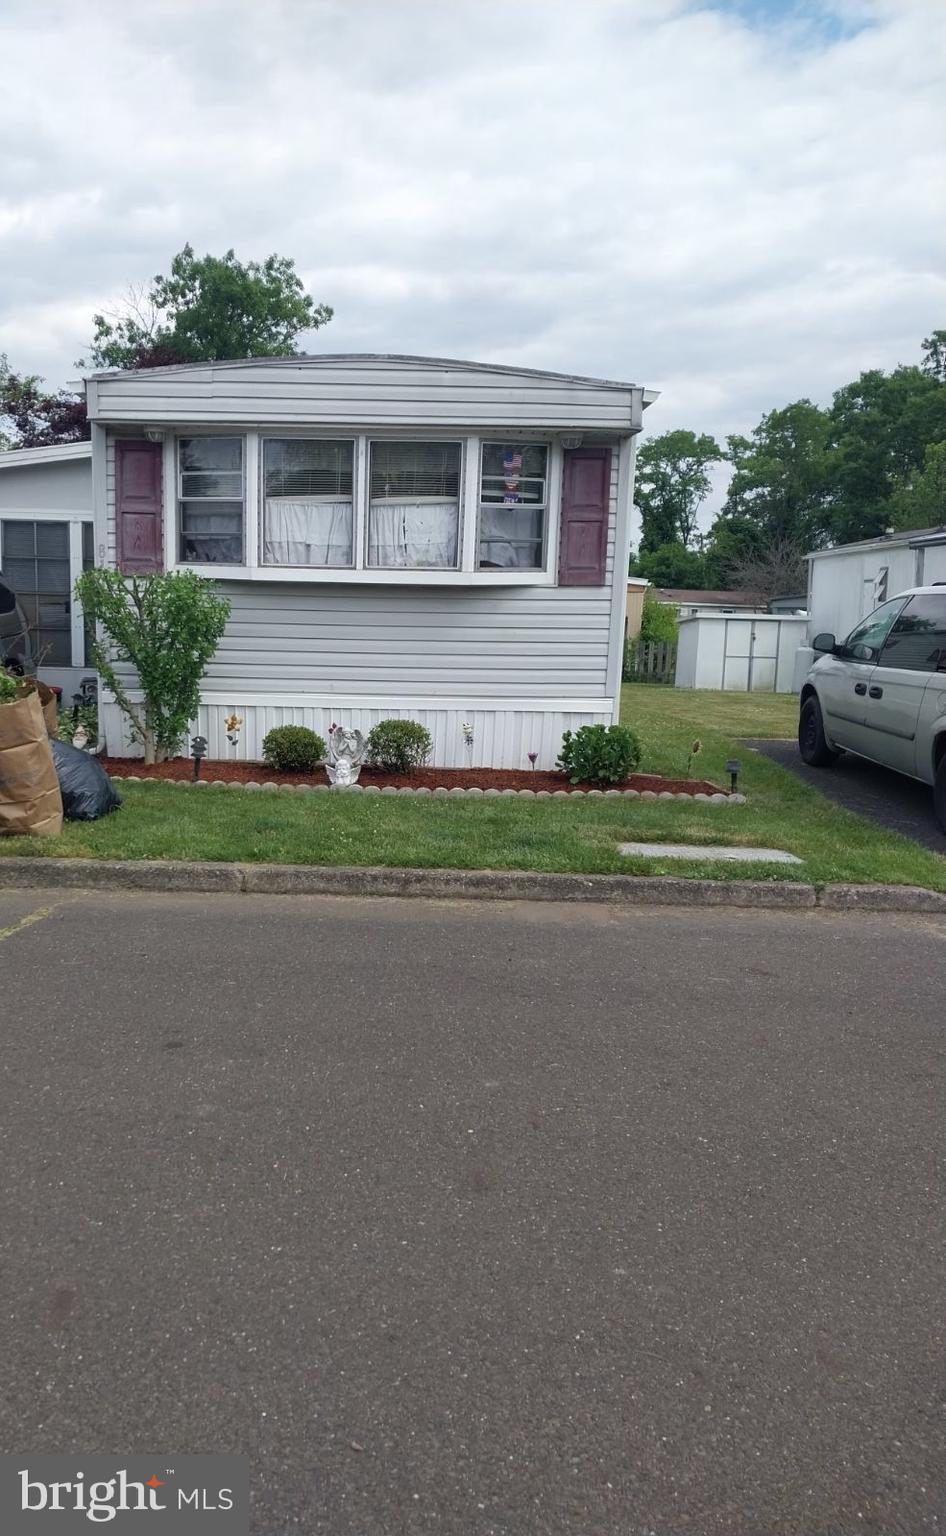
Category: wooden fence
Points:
column 651, row 661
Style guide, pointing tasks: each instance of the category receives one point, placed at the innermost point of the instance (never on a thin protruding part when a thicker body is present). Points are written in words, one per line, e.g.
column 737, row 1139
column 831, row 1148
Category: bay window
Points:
column 308, row 504
column 210, row 499
column 513, row 505
column 281, row 505
column 414, row 504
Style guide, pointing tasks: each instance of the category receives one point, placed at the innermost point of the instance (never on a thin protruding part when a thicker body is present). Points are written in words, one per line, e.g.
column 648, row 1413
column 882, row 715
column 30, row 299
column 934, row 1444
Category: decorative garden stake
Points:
column 696, row 748
column 198, row 750
column 467, row 730
column 532, row 756
column 346, row 755
column 233, row 725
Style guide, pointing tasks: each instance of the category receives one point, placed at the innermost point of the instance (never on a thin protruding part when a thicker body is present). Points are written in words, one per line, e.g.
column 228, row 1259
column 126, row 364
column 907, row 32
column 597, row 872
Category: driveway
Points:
column 882, row 796
column 481, row 1219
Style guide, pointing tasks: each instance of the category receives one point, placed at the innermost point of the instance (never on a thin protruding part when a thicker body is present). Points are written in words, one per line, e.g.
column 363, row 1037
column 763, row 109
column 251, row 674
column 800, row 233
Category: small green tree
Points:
column 168, row 627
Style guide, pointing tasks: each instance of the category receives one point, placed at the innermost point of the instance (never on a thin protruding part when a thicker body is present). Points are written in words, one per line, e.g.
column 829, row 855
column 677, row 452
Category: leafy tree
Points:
column 672, row 484
column 38, row 418
column 880, row 428
column 934, row 361
column 921, row 502
column 209, row 307
column 731, row 540
column 672, row 565
column 781, row 475
column 168, row 628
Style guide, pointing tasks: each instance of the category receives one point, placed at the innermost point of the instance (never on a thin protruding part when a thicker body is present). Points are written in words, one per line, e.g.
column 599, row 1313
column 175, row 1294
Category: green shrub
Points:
column 86, row 715
column 293, row 749
column 398, row 746
column 658, row 620
column 599, row 754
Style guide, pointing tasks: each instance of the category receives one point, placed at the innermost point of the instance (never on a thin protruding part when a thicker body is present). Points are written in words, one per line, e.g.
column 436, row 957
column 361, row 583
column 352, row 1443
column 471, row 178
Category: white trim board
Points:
column 221, row 700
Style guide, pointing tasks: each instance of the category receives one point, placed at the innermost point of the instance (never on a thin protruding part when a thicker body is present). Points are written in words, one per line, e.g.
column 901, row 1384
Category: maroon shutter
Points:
column 586, row 496
column 138, row 505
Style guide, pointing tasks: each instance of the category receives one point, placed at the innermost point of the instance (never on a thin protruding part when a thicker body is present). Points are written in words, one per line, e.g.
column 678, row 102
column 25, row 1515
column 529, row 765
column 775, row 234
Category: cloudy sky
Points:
column 735, row 201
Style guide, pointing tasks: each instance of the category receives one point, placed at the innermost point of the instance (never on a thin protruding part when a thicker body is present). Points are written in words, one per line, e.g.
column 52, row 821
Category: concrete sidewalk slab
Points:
column 731, row 855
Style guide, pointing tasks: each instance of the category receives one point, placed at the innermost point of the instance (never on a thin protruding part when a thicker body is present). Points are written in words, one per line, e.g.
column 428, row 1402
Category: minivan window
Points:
column 865, row 642
column 917, row 641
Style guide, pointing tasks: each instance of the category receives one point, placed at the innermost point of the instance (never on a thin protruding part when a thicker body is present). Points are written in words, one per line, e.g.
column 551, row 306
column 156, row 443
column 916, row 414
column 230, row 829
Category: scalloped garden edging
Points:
column 440, row 793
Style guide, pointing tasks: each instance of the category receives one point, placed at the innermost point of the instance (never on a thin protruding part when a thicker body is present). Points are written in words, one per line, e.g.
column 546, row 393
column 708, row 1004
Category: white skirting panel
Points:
column 504, row 731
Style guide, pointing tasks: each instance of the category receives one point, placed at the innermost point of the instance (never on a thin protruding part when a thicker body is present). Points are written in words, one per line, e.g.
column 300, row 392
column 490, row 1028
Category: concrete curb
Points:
column 458, row 885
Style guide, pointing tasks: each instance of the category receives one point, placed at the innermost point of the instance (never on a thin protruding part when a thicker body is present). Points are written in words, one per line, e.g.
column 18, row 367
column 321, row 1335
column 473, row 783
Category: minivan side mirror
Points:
column 825, row 642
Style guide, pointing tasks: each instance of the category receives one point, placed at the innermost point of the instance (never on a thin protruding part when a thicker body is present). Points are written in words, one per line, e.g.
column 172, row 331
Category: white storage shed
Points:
column 754, row 653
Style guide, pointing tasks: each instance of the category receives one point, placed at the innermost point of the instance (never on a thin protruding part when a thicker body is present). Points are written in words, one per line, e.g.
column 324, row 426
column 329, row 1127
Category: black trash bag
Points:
column 87, row 791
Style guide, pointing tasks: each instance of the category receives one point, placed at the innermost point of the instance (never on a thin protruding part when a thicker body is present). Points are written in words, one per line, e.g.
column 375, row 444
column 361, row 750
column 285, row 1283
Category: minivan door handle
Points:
column 875, row 692
column 860, row 687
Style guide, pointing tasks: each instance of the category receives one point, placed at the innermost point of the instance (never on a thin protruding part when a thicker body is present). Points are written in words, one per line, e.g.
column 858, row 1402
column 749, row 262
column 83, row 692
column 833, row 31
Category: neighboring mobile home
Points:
column 397, row 536
column 46, row 540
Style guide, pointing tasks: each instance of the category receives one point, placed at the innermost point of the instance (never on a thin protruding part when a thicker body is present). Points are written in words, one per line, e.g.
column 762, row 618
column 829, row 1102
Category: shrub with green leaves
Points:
column 85, row 716
column 599, row 754
column 293, row 749
column 398, row 746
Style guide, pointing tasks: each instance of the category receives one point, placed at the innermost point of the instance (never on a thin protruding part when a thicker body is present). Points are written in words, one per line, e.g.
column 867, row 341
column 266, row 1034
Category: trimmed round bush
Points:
column 293, row 749
column 599, row 754
column 398, row 746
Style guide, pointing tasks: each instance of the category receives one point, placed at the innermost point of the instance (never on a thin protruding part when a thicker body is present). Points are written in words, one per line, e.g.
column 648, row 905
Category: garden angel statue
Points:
column 346, row 751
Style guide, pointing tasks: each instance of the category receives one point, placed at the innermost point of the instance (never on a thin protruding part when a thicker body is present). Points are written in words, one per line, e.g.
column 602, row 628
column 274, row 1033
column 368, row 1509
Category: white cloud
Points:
column 733, row 209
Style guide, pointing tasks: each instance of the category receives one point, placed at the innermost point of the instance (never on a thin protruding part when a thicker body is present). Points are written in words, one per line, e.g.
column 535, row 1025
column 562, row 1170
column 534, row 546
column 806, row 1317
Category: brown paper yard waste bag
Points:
column 48, row 700
column 30, row 802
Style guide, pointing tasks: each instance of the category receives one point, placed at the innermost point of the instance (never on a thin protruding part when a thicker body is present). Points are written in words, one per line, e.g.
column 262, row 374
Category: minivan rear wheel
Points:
column 812, row 742
column 939, row 792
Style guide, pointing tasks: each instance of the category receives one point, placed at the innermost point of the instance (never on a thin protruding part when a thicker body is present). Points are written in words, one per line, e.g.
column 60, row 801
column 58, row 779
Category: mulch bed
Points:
column 422, row 778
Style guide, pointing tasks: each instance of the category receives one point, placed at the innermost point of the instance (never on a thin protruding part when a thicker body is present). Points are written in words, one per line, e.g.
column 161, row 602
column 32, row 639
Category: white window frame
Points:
column 543, row 506
column 76, row 615
column 316, row 572
column 466, row 574
column 416, row 571
column 180, row 498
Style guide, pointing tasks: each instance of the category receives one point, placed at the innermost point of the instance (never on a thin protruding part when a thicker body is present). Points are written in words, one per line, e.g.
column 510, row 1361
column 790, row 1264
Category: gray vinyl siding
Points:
column 361, row 393
column 379, row 641
column 532, row 642
column 42, row 488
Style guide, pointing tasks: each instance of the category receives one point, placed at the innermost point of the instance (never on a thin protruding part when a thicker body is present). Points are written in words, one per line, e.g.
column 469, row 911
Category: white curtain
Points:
column 413, row 534
column 307, row 532
column 500, row 526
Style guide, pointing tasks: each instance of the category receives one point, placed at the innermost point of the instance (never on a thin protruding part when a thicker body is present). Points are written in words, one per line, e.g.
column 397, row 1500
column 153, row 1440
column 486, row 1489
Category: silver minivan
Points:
column 882, row 692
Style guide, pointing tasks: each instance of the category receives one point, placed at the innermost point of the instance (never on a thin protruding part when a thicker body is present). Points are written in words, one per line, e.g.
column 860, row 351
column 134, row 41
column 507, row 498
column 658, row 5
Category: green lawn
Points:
column 160, row 821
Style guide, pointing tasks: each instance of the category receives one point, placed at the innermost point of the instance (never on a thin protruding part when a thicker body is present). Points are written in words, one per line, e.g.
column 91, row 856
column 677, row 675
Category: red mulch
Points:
column 421, row 778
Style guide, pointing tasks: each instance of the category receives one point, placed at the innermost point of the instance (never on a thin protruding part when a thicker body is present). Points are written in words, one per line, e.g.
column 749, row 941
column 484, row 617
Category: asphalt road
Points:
column 889, row 798
column 481, row 1218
